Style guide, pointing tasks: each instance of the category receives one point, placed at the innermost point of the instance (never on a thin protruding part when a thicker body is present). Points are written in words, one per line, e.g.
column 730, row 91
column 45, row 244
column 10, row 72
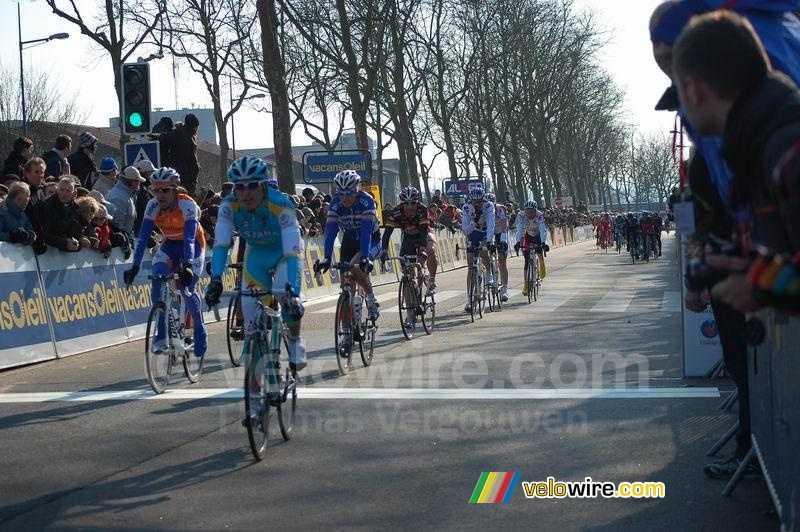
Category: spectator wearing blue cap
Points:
column 108, row 175
column 81, row 162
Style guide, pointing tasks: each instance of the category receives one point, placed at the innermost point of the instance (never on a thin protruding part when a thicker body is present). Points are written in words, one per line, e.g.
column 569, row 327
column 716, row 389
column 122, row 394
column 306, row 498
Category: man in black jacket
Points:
column 56, row 159
column 33, row 174
column 82, row 161
column 59, row 213
column 728, row 88
column 181, row 144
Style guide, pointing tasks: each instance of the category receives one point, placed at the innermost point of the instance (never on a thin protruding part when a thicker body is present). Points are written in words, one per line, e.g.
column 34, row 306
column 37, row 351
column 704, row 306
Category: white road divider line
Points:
column 236, row 394
column 615, row 300
column 671, row 302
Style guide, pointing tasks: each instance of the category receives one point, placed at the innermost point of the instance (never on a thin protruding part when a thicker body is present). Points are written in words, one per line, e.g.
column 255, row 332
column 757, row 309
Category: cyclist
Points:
column 619, row 229
column 632, row 234
column 605, row 229
column 531, row 226
column 411, row 216
column 264, row 219
column 657, row 227
column 354, row 212
column 501, row 243
column 648, row 236
column 177, row 216
column 477, row 222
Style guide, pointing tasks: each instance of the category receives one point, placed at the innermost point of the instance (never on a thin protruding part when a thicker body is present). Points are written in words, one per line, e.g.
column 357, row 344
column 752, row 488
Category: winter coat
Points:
column 82, row 166
column 12, row 218
column 60, row 222
column 123, row 206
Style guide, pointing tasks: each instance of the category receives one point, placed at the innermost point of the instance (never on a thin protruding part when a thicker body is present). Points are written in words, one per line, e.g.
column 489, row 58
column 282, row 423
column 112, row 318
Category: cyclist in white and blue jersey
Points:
column 354, row 212
column 476, row 222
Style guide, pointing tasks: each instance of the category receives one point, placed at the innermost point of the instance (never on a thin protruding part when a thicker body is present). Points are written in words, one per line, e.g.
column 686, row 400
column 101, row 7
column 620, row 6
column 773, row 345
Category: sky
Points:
column 80, row 68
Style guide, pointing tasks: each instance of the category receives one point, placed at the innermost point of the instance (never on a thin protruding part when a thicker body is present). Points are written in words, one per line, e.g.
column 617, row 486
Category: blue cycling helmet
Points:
column 476, row 193
column 248, row 168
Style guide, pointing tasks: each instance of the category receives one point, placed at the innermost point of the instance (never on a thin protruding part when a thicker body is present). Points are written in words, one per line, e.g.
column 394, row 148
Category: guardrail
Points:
column 60, row 304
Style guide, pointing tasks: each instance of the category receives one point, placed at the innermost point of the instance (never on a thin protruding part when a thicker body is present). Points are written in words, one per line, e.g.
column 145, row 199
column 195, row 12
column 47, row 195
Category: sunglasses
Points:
column 410, row 202
column 162, row 190
column 347, row 193
column 250, row 185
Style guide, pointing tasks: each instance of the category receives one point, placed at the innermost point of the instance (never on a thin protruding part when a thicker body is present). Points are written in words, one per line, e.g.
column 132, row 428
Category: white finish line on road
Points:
column 370, row 394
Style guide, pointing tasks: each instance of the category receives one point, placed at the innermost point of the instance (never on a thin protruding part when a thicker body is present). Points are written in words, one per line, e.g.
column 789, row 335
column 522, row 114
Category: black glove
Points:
column 129, row 275
column 18, row 236
column 490, row 247
column 213, row 292
column 126, row 251
column 323, row 265
column 546, row 248
column 517, row 247
column 185, row 274
column 365, row 264
column 294, row 307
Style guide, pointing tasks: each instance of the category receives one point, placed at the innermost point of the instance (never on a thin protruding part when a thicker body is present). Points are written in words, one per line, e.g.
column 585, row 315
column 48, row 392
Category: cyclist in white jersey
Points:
column 477, row 222
column 501, row 243
column 531, row 232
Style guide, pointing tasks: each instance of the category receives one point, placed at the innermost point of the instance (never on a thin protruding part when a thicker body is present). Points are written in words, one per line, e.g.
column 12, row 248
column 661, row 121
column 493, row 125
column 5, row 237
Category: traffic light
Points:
column 136, row 98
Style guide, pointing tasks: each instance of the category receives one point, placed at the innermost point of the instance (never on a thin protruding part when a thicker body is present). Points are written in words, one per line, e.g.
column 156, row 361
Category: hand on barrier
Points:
column 130, row 274
column 185, row 273
column 18, row 236
column 213, row 292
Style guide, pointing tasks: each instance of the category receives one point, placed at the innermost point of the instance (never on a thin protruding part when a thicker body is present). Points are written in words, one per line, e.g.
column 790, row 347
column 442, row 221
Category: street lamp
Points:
column 21, row 72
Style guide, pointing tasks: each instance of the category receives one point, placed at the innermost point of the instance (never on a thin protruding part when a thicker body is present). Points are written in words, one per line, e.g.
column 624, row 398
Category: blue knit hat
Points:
column 108, row 164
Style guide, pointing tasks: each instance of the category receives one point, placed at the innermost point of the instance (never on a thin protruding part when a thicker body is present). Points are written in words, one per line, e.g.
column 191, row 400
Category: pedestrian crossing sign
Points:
column 139, row 151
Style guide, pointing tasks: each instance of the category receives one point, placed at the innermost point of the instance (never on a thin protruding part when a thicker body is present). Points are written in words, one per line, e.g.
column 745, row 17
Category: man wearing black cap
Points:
column 82, row 161
column 181, row 144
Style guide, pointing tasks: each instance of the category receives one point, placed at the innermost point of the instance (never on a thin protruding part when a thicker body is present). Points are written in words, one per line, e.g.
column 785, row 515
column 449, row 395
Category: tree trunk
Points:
column 275, row 73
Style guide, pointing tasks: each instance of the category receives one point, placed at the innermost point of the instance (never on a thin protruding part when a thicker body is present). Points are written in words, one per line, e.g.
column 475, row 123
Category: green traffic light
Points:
column 135, row 119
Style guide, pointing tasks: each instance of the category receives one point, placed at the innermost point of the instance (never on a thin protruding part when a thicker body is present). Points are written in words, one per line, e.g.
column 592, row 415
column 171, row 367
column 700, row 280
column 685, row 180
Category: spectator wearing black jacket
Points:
column 181, row 144
column 727, row 87
column 33, row 174
column 56, row 159
column 21, row 151
column 14, row 224
column 60, row 214
column 82, row 161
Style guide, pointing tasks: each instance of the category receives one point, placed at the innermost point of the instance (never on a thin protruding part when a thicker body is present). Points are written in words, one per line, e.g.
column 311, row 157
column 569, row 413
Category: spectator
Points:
column 81, row 161
column 146, row 169
column 107, row 235
column 308, row 194
column 4, row 192
column 49, row 188
column 123, row 200
column 21, row 151
column 33, row 173
column 108, row 175
column 181, row 144
column 14, row 224
column 56, row 163
column 81, row 192
column 227, row 189
column 164, row 125
column 86, row 210
column 10, row 179
column 437, row 199
column 61, row 222
column 207, row 196
column 386, row 212
column 208, row 219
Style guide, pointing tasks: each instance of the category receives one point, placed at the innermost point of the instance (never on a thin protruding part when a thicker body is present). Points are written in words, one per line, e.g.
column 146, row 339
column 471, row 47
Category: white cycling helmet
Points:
column 476, row 193
column 165, row 177
column 530, row 204
column 347, row 180
column 409, row 194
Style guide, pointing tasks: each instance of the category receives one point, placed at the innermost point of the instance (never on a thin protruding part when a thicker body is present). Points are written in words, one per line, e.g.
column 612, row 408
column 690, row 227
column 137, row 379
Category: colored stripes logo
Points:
column 495, row 487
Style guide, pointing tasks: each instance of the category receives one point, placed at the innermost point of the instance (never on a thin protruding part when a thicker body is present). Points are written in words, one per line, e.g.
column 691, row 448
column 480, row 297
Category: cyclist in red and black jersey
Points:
column 411, row 217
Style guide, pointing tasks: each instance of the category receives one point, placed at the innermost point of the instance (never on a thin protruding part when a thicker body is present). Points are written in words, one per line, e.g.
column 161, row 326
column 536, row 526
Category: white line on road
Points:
column 371, row 394
column 614, row 300
column 671, row 302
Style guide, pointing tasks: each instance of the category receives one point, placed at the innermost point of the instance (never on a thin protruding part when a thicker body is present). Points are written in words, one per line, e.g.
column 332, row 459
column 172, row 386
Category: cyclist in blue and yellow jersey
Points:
column 501, row 244
column 354, row 212
column 183, row 250
column 531, row 232
column 264, row 218
column 477, row 222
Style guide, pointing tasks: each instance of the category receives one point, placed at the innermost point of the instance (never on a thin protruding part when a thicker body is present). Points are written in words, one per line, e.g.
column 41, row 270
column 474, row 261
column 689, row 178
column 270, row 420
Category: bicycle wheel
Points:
column 287, row 406
column 646, row 250
column 428, row 304
column 487, row 296
column 535, row 287
column 406, row 303
column 234, row 333
column 192, row 365
column 157, row 366
column 531, row 278
column 343, row 340
column 366, row 345
column 479, row 301
column 258, row 410
column 470, row 295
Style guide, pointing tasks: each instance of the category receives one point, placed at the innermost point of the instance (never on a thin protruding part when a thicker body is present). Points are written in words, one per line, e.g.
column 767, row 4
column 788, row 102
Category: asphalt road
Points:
column 586, row 382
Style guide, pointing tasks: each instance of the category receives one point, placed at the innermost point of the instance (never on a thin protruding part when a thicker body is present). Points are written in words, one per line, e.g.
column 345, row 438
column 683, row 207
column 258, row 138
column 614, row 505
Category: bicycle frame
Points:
column 174, row 326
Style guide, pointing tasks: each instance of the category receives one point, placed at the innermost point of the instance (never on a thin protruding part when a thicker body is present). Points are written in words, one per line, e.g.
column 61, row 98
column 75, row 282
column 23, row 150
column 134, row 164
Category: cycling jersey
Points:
column 500, row 219
column 357, row 223
column 412, row 224
column 533, row 227
column 180, row 224
column 271, row 232
column 481, row 221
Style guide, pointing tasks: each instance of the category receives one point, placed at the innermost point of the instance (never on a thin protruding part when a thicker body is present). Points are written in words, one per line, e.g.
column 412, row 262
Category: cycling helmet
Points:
column 248, row 168
column 409, row 194
column 165, row 177
column 476, row 193
column 490, row 198
column 347, row 180
column 530, row 204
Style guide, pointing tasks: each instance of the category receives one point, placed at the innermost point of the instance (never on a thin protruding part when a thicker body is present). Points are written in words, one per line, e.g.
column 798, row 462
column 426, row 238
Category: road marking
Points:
column 550, row 300
column 443, row 295
column 332, row 310
column 671, row 302
column 236, row 394
column 615, row 300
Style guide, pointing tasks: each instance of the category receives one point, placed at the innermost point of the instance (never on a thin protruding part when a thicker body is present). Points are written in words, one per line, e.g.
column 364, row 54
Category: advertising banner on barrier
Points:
column 84, row 299
column 24, row 331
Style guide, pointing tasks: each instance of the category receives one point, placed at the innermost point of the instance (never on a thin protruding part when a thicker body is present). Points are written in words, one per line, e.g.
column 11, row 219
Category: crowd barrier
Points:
column 61, row 304
column 774, row 415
